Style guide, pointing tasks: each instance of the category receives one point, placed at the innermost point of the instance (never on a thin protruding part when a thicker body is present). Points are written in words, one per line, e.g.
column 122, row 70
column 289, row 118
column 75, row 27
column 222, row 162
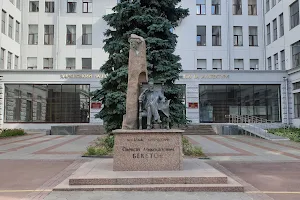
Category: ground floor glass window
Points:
column 216, row 101
column 51, row 103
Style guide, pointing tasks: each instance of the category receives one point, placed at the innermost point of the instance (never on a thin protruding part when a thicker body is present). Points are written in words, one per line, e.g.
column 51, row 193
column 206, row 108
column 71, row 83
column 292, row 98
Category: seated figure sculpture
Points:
column 153, row 102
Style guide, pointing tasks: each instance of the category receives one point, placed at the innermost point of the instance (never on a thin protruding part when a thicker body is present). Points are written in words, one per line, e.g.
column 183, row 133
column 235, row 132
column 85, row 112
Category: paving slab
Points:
column 211, row 146
column 111, row 195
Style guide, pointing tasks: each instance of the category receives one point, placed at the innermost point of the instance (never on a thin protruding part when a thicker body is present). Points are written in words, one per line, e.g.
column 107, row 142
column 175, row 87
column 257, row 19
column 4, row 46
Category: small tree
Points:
column 153, row 20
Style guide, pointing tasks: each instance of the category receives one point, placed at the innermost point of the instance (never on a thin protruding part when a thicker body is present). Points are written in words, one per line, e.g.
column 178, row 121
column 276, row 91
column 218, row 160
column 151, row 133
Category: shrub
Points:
column 291, row 133
column 91, row 151
column 101, row 151
column 12, row 132
column 103, row 146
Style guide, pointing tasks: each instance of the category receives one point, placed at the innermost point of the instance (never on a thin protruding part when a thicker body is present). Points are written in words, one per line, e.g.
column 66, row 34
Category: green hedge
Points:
column 291, row 133
column 12, row 133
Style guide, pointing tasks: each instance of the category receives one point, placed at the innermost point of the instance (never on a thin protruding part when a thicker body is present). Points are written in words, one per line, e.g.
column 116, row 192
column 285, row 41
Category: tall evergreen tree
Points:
column 153, row 20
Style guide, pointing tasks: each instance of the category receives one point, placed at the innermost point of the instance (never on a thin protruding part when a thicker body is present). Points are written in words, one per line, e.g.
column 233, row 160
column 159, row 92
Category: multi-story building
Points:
column 237, row 60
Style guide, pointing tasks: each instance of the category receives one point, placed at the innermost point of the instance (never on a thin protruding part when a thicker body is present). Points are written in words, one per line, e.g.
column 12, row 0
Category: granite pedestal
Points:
column 148, row 150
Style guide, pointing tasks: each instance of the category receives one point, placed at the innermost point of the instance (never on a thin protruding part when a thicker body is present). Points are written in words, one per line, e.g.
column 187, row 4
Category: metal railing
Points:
column 256, row 125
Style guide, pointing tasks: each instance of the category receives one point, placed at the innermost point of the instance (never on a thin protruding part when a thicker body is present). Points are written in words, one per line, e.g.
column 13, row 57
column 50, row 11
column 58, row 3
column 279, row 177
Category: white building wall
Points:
column 60, row 19
column 7, row 43
column 290, row 35
column 189, row 51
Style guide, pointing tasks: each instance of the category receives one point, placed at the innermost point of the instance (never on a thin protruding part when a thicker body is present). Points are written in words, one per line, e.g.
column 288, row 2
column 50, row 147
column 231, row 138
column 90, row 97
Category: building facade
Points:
column 237, row 60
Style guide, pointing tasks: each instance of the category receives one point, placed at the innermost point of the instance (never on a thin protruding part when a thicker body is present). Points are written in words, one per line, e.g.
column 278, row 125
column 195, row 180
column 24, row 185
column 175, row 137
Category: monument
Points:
column 156, row 148
column 147, row 158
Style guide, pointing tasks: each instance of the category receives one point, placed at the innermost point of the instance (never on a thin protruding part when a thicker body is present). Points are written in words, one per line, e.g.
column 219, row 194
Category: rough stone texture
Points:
column 137, row 73
column 148, row 150
column 196, row 175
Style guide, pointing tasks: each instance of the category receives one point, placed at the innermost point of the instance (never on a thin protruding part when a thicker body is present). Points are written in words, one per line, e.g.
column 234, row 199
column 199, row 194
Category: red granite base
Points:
column 148, row 150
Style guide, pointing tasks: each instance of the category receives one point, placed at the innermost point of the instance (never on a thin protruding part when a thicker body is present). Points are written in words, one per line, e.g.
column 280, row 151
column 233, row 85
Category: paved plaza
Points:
column 31, row 166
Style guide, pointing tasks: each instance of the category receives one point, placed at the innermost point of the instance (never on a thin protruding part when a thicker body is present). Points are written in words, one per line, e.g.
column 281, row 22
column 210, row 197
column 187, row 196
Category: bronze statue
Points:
column 152, row 101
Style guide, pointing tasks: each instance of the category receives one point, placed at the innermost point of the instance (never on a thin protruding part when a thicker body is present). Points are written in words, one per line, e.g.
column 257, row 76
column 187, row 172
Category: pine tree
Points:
column 153, row 20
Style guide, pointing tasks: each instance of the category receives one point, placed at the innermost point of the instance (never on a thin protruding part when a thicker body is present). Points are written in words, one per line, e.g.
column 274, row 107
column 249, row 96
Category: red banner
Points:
column 96, row 105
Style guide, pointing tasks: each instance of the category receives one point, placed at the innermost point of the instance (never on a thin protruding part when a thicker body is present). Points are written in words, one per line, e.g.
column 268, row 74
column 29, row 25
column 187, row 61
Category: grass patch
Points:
column 190, row 150
column 12, row 133
column 291, row 133
column 104, row 146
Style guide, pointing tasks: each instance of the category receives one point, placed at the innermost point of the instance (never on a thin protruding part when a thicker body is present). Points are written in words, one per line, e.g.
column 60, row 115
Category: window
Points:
column 87, row 6
column 71, row 34
column 274, row 29
column 48, row 63
column 2, row 58
column 39, row 108
column 201, row 64
column 219, row 100
column 71, row 7
column 16, row 62
column 49, row 34
column 267, row 5
column 17, row 36
column 10, row 26
column 273, row 3
column 253, row 36
column 201, row 7
column 216, row 7
column 201, row 35
column 87, row 34
column 296, row 54
column 296, row 86
column 269, row 63
column 217, row 64
column 282, row 59
column 49, row 7
column 294, row 14
column 86, row 63
column 9, row 57
column 238, row 64
column 33, row 6
column 297, row 104
column 33, row 34
column 281, row 28
column 254, row 64
column 252, row 7
column 49, row 103
column 237, row 7
column 216, row 36
column 268, row 34
column 238, row 35
column 18, row 4
column 276, row 61
column 70, row 63
column 32, row 63
column 3, row 25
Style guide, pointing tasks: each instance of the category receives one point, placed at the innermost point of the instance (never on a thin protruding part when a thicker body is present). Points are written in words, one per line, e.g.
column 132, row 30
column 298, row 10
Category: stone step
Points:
column 217, row 179
column 231, row 186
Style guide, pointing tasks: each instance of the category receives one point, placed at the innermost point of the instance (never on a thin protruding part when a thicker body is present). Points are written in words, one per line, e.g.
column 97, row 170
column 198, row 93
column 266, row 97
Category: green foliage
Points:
column 151, row 19
column 291, row 133
column 190, row 150
column 91, row 151
column 103, row 146
column 12, row 132
column 107, row 142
